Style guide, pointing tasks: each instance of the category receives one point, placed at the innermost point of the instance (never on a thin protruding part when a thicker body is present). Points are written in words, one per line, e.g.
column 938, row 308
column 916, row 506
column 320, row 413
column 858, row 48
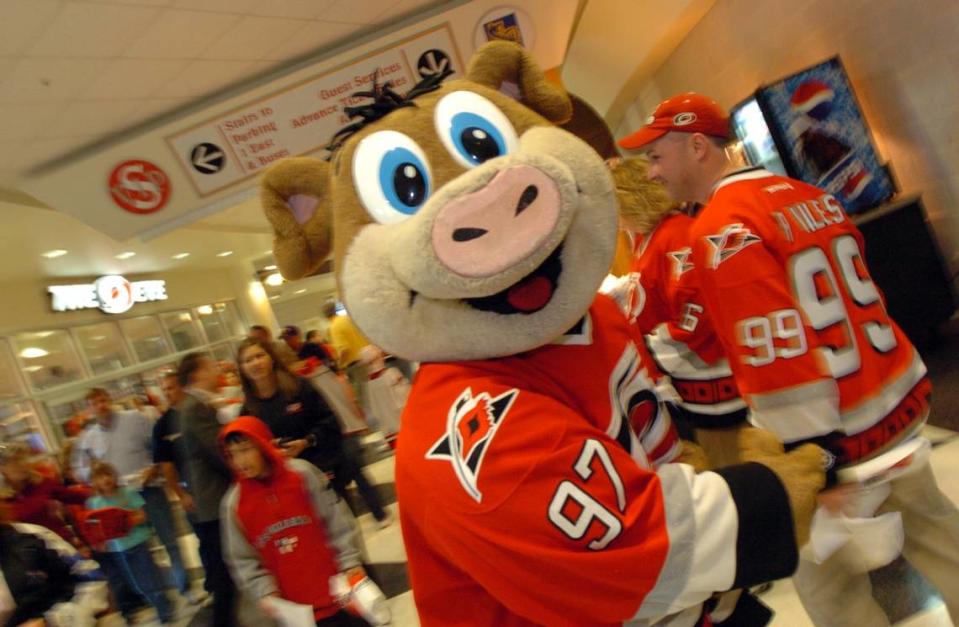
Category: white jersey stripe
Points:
column 874, row 409
column 799, row 413
column 702, row 522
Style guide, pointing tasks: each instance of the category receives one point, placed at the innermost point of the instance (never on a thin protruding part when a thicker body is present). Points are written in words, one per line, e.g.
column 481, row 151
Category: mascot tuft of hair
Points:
column 470, row 233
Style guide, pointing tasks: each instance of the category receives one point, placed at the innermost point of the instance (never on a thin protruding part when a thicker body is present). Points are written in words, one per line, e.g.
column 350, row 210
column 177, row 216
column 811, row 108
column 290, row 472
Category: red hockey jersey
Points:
column 669, row 311
column 526, row 498
column 814, row 353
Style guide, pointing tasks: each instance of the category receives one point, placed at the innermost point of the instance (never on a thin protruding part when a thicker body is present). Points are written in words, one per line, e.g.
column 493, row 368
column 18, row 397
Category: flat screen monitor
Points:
column 749, row 125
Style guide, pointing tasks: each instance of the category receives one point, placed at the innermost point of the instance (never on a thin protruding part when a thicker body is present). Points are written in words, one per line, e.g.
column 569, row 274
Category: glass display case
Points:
column 103, row 347
column 182, row 329
column 11, row 383
column 45, row 375
column 48, row 358
column 146, row 337
column 19, row 422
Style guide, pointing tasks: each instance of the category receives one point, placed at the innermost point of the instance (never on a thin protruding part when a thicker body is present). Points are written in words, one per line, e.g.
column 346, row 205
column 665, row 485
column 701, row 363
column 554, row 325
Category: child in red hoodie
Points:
column 285, row 532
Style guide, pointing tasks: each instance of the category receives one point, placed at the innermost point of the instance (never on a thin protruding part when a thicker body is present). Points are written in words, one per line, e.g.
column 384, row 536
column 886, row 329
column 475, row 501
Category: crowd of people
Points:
column 259, row 465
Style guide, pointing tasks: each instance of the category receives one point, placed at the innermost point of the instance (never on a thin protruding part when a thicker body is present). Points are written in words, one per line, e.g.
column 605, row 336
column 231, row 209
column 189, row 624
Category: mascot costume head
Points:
column 512, row 219
column 470, row 233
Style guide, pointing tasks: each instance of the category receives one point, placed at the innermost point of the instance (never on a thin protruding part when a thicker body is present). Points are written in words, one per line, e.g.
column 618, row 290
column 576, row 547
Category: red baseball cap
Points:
column 685, row 113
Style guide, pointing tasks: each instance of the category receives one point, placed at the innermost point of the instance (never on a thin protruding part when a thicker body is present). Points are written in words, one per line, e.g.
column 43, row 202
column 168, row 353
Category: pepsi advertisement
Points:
column 822, row 137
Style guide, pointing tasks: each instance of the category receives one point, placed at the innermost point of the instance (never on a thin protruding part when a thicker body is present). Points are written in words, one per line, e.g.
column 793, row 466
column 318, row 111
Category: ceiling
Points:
column 74, row 72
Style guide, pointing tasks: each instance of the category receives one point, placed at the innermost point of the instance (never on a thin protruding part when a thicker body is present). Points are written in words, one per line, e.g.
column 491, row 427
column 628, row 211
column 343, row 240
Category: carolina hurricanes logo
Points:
column 680, row 259
column 732, row 239
column 471, row 424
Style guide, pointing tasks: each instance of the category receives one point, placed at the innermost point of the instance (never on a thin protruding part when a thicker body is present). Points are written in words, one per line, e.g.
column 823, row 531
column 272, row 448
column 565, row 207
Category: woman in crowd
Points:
column 300, row 419
column 37, row 495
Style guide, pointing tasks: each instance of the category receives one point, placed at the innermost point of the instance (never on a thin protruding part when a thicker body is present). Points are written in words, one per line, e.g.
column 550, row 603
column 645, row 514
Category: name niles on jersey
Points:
column 471, row 424
column 810, row 215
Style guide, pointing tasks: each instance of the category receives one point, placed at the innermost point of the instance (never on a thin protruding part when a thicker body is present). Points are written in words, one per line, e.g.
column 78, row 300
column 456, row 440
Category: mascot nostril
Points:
column 529, row 195
column 517, row 455
column 466, row 234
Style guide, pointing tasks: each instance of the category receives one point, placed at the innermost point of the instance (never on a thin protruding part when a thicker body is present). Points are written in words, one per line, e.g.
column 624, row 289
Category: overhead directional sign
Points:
column 302, row 118
column 181, row 168
column 207, row 158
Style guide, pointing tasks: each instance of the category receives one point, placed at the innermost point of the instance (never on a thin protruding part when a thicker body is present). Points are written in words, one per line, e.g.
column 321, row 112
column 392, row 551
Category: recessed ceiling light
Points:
column 32, row 352
column 126, row 255
column 33, row 368
column 272, row 267
column 274, row 279
column 300, row 291
column 204, row 310
column 225, row 253
column 53, row 254
column 181, row 255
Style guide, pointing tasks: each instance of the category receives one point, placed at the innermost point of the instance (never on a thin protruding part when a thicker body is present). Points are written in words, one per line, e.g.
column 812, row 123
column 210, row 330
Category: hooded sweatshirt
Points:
column 288, row 533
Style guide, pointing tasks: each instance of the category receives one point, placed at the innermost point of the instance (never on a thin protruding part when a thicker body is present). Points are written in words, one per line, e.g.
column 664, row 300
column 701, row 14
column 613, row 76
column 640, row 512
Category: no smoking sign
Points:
column 139, row 186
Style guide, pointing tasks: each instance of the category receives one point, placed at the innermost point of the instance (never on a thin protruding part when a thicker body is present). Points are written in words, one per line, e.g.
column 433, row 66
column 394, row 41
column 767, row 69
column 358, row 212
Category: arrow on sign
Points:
column 207, row 158
column 432, row 62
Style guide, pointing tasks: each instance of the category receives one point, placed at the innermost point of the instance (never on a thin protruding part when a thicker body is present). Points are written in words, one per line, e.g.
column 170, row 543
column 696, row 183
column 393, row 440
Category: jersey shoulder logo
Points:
column 471, row 425
column 732, row 239
column 680, row 260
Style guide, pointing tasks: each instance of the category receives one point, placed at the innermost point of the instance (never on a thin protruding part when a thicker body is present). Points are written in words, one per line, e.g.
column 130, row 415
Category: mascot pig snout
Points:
column 485, row 232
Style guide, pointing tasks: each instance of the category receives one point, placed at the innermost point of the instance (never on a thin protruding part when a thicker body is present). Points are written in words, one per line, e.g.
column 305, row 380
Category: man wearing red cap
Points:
column 813, row 351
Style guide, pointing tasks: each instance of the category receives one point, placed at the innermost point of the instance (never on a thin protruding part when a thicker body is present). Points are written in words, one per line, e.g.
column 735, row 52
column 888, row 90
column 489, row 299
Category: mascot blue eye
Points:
column 473, row 129
column 404, row 180
column 476, row 138
column 391, row 176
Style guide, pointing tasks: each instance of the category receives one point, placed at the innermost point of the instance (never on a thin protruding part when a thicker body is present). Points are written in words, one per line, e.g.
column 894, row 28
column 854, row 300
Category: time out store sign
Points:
column 111, row 294
column 164, row 175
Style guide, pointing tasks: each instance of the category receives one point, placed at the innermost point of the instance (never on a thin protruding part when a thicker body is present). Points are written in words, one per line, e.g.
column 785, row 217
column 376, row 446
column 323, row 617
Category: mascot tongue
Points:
column 530, row 294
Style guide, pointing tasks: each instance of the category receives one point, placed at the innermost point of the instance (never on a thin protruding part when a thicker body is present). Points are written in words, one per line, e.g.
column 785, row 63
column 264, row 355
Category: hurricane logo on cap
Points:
column 684, row 119
column 114, row 293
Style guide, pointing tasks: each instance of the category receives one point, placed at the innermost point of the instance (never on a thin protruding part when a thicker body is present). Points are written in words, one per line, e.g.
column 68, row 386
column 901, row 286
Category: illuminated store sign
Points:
column 112, row 294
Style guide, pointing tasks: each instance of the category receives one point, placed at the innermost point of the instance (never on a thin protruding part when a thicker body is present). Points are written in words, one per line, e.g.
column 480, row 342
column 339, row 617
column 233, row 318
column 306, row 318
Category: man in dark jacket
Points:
column 207, row 476
column 34, row 577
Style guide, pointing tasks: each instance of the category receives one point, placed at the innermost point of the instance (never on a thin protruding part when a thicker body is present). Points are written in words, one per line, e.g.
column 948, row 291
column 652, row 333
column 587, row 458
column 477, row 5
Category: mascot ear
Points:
column 499, row 61
column 295, row 194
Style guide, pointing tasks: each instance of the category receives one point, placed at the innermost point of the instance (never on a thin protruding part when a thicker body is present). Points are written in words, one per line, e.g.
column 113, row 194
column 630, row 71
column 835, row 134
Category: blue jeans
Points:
column 128, row 599
column 159, row 514
column 142, row 574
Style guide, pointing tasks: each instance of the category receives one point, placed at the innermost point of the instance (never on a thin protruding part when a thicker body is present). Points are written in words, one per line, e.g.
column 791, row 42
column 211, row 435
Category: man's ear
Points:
column 295, row 194
column 499, row 61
